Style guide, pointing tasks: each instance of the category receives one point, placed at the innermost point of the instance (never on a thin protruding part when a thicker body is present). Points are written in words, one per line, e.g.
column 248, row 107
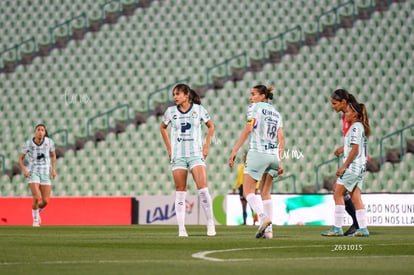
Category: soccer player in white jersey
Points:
column 351, row 173
column 264, row 158
column 339, row 102
column 41, row 168
column 187, row 152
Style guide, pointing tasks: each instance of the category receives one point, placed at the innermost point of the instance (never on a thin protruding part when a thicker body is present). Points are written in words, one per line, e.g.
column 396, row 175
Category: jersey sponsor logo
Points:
column 269, row 113
column 270, row 146
column 184, row 139
column 270, row 119
column 185, row 126
column 40, row 156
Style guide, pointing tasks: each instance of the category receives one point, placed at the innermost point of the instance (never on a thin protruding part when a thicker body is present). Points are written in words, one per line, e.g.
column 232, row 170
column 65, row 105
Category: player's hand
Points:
column 26, row 173
column 338, row 151
column 340, row 171
column 53, row 174
column 280, row 171
column 205, row 152
column 231, row 159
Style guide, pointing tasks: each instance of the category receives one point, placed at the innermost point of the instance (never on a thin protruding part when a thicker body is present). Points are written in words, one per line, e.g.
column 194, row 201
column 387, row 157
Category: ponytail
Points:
column 361, row 110
column 194, row 97
column 263, row 90
column 364, row 120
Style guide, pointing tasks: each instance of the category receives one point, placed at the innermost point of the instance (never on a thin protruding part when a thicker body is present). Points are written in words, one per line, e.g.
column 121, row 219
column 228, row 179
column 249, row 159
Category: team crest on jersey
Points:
column 195, row 115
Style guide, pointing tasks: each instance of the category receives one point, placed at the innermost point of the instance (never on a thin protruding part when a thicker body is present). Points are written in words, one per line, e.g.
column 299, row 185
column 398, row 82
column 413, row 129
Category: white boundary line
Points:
column 90, row 262
column 186, row 261
column 203, row 255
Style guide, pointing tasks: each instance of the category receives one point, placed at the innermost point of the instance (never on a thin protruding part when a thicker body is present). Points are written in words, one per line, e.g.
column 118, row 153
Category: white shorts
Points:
column 259, row 163
column 42, row 179
column 350, row 181
column 187, row 163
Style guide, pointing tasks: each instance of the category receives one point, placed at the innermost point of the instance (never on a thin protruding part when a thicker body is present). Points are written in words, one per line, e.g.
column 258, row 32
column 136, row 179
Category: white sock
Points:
column 206, row 203
column 256, row 204
column 180, row 208
column 361, row 218
column 268, row 208
column 339, row 215
column 35, row 214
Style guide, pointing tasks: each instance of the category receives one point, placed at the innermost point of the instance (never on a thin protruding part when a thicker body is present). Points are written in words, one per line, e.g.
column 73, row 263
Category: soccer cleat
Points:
column 182, row 233
column 333, row 232
column 351, row 230
column 211, row 229
column 268, row 233
column 361, row 232
column 263, row 225
column 36, row 223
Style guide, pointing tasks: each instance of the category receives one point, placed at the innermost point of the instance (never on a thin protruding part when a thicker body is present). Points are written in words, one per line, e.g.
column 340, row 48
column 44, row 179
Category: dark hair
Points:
column 342, row 94
column 194, row 97
column 362, row 115
column 263, row 90
column 42, row 125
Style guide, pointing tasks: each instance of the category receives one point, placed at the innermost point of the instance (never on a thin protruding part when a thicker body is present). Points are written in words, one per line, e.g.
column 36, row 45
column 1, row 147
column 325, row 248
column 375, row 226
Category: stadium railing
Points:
column 228, row 70
column 14, row 53
column 167, row 90
column 107, row 115
column 68, row 28
column 58, row 134
column 401, row 142
column 335, row 12
column 68, row 25
column 109, row 7
column 282, row 42
column 293, row 177
column 317, row 168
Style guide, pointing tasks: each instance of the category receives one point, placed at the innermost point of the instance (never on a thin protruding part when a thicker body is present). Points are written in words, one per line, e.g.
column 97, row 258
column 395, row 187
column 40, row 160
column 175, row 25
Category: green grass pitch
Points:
column 146, row 249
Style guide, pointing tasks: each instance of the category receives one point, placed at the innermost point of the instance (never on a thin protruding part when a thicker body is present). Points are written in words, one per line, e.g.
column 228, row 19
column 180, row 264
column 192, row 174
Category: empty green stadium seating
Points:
column 124, row 62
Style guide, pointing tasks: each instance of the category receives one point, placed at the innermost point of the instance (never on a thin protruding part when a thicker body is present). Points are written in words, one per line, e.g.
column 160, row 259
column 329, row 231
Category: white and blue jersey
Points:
column 38, row 155
column 186, row 133
column 266, row 123
column 356, row 135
